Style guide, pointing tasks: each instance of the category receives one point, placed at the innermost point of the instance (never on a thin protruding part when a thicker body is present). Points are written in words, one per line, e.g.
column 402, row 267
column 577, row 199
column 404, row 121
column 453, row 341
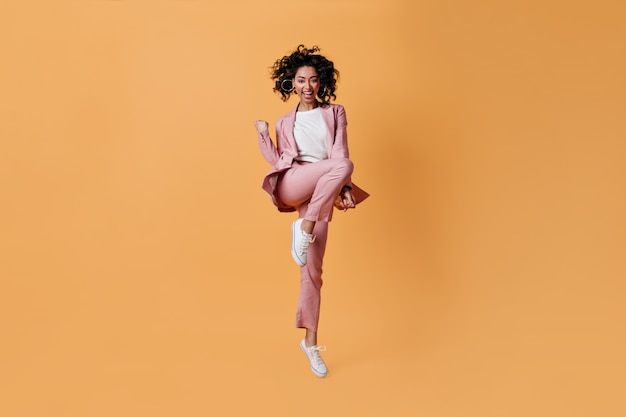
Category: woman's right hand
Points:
column 261, row 126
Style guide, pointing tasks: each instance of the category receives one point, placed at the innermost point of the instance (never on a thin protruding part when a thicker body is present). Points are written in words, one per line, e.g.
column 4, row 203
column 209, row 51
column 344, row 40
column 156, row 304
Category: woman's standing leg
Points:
column 308, row 312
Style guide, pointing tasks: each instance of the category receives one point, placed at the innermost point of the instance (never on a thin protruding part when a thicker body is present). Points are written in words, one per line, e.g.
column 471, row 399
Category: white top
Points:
column 310, row 134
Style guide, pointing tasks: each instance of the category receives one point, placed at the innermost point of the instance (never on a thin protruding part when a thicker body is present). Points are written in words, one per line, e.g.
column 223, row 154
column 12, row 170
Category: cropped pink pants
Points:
column 312, row 189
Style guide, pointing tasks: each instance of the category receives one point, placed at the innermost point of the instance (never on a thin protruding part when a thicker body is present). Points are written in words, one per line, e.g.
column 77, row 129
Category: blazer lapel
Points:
column 289, row 124
column 329, row 120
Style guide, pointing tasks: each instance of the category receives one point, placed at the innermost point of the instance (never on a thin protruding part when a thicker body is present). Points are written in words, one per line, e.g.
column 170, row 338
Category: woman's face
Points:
column 307, row 84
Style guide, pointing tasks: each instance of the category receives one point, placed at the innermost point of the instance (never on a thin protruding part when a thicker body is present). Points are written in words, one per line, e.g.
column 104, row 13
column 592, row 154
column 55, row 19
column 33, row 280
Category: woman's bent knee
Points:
column 345, row 164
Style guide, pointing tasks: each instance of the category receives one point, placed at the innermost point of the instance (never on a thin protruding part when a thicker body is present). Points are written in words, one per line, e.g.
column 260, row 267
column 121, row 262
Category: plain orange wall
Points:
column 145, row 273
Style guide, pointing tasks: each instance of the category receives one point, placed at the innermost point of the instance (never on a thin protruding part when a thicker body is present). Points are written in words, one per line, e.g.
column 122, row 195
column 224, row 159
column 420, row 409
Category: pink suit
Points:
column 311, row 189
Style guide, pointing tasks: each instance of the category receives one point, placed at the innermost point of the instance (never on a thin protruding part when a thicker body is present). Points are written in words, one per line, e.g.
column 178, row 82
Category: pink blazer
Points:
column 282, row 155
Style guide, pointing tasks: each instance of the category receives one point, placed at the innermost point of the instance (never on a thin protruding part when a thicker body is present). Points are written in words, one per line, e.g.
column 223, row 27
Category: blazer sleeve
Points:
column 269, row 151
column 340, row 142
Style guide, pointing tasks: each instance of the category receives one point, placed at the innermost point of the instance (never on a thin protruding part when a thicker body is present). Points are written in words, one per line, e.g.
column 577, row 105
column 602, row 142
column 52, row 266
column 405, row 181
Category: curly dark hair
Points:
column 285, row 68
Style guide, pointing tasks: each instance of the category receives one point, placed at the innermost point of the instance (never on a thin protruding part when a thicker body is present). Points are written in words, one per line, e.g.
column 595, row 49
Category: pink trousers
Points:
column 312, row 189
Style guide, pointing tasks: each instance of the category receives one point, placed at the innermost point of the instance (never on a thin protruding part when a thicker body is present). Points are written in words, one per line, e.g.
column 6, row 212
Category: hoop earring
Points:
column 324, row 93
column 282, row 86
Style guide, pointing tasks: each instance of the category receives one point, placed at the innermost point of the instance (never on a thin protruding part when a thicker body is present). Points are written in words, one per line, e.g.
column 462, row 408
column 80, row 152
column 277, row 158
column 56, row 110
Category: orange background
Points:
column 145, row 273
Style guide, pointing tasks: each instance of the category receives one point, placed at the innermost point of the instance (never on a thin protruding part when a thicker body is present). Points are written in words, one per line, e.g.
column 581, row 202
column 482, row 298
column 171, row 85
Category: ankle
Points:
column 307, row 226
column 310, row 339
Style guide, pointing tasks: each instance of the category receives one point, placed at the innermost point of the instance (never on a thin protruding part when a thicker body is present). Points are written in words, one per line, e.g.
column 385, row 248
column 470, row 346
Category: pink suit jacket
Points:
column 282, row 155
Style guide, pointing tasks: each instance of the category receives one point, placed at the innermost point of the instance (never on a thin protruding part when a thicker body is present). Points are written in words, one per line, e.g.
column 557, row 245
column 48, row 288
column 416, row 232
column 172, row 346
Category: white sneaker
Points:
column 317, row 363
column 300, row 241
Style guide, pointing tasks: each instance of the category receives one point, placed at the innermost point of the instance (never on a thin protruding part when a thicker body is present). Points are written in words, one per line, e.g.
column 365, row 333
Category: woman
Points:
column 311, row 173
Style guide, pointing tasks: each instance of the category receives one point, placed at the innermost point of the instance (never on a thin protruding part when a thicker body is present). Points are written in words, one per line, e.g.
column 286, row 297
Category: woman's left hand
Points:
column 345, row 200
